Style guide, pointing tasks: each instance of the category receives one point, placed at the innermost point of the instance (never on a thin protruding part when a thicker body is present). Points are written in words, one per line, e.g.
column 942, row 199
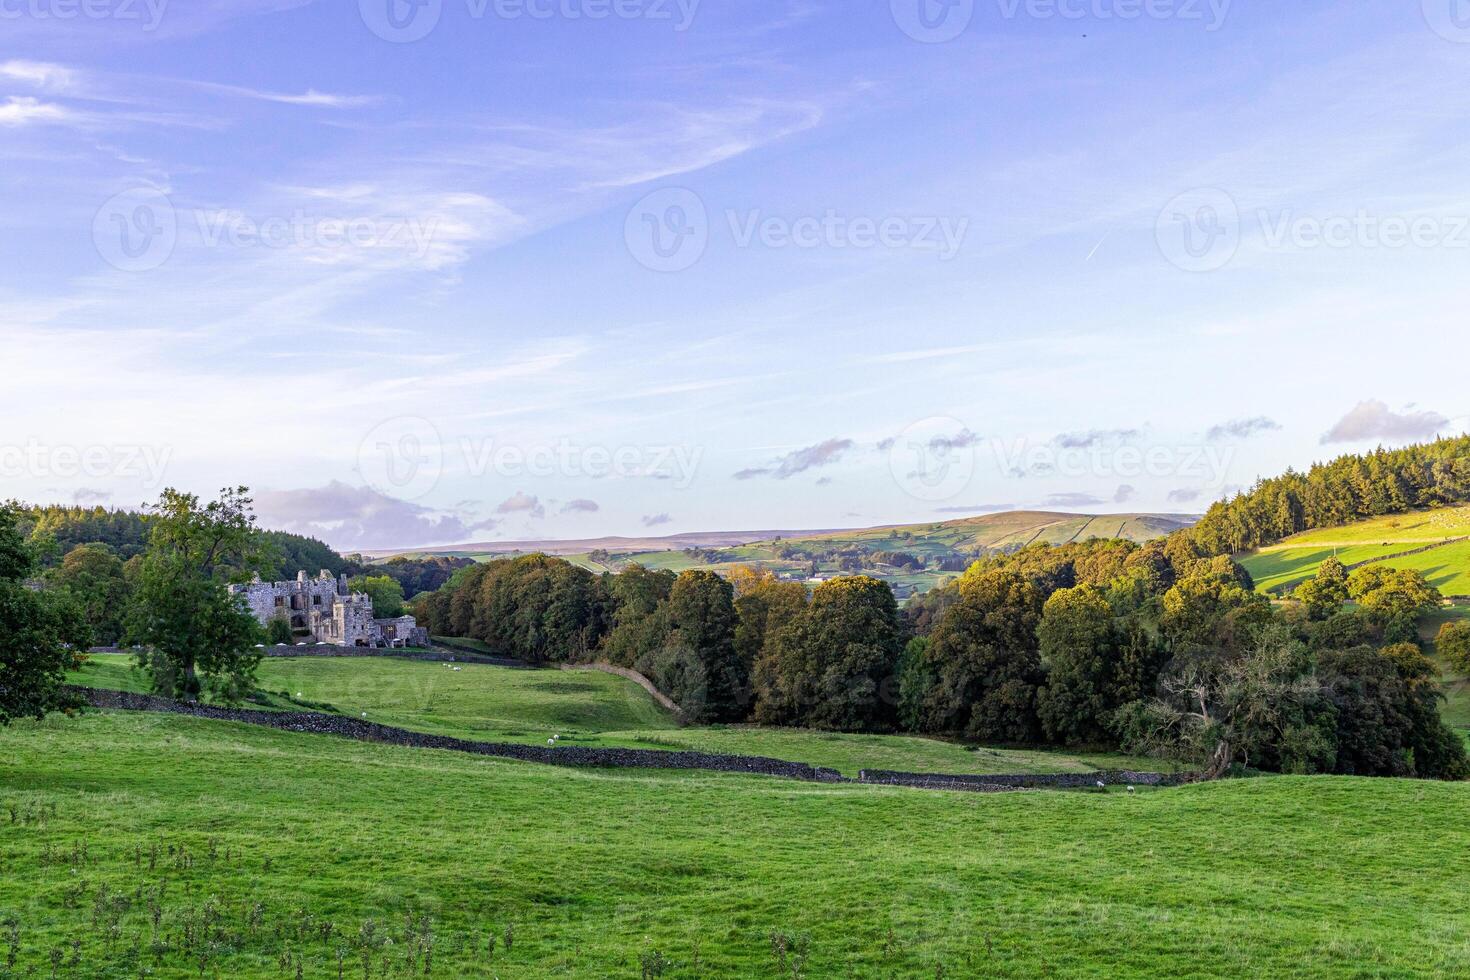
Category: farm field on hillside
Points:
column 1285, row 565
column 298, row 849
column 592, row 709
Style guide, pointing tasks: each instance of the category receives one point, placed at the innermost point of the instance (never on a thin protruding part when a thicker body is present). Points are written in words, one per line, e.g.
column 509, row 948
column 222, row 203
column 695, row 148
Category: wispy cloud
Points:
column 21, row 110
column 1242, row 428
column 311, row 97
column 822, row 454
column 43, row 75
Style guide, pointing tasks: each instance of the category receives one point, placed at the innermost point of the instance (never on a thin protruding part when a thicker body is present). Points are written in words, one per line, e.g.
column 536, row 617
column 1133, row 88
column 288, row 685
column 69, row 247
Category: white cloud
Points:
column 1373, row 419
column 40, row 74
column 22, row 110
column 351, row 518
column 522, row 503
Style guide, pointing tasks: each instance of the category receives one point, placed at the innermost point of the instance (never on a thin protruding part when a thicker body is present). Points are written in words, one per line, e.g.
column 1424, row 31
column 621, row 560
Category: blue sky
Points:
column 467, row 270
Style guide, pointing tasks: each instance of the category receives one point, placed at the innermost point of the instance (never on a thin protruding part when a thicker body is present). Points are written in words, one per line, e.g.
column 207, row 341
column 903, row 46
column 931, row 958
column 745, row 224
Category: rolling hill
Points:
column 939, row 549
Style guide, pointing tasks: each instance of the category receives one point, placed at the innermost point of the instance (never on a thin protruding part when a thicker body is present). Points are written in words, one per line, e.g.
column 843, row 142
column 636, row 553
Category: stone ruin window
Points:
column 280, row 602
column 316, row 600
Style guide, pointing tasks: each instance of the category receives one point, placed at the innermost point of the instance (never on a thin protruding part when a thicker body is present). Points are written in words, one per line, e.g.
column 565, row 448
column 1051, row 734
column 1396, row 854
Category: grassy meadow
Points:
column 592, row 709
column 1294, row 560
column 176, row 847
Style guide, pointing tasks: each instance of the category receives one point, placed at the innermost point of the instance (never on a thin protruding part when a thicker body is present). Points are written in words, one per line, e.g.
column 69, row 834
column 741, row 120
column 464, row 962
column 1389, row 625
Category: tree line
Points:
column 1099, row 644
column 1331, row 494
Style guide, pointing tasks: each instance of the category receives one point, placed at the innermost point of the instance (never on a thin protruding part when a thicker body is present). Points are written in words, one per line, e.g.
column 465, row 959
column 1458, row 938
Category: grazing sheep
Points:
column 1130, row 789
column 551, row 741
column 1102, row 785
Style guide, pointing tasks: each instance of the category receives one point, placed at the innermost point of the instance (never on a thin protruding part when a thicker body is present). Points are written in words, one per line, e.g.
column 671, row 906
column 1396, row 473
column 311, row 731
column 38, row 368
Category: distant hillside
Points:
column 912, row 558
column 1435, row 542
column 615, row 545
column 1016, row 529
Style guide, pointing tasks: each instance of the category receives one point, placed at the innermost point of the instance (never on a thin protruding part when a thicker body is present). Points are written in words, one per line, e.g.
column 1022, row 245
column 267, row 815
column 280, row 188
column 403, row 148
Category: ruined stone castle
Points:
column 325, row 609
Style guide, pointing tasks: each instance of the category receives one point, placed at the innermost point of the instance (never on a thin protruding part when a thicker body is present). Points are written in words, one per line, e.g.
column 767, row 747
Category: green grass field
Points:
column 1294, row 560
column 264, row 854
column 592, row 709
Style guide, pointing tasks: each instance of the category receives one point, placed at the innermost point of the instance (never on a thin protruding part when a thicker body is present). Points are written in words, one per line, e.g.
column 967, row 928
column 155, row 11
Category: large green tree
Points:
column 1326, row 593
column 832, row 667
column 985, row 658
column 702, row 622
column 93, row 576
column 1081, row 652
column 386, row 593
column 1453, row 644
column 196, row 637
column 42, row 636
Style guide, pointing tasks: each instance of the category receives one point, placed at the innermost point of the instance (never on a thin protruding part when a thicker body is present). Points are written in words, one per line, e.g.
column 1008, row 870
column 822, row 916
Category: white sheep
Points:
column 1102, row 785
column 551, row 741
column 1130, row 789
